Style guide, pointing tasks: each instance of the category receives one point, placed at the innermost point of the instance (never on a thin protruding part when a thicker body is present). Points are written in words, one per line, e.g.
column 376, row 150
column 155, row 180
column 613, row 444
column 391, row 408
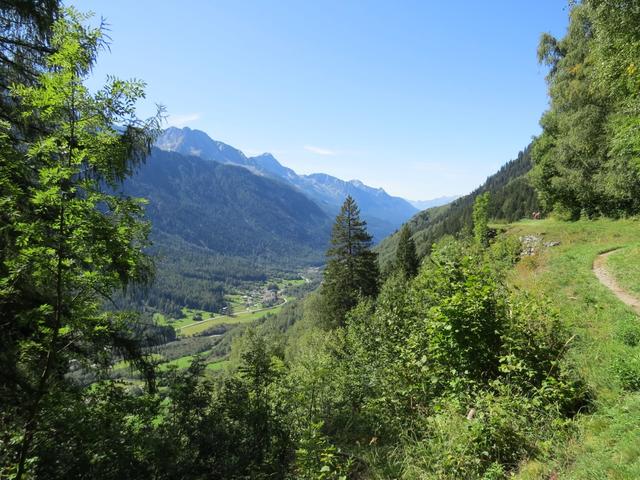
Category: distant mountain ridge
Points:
column 384, row 213
column 228, row 209
column 434, row 202
column 217, row 225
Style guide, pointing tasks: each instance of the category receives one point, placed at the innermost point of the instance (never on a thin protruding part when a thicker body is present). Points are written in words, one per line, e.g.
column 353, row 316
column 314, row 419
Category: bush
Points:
column 627, row 369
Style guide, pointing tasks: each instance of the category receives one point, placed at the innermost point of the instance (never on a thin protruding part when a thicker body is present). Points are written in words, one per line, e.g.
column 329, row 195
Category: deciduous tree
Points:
column 72, row 239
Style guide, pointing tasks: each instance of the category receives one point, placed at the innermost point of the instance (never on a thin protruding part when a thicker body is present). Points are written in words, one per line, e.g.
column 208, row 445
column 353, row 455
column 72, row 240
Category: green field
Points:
column 625, row 266
column 240, row 312
column 219, row 365
column 187, row 326
column 193, row 328
column 182, row 362
column 177, row 323
column 603, row 444
column 185, row 362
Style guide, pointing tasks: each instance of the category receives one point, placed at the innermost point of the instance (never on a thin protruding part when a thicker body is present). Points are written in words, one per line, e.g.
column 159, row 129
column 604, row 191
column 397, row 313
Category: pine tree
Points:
column 406, row 258
column 352, row 268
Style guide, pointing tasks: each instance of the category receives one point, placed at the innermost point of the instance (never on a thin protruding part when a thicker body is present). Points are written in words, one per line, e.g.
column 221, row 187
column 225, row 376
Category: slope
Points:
column 512, row 198
column 605, row 343
column 214, row 224
column 383, row 212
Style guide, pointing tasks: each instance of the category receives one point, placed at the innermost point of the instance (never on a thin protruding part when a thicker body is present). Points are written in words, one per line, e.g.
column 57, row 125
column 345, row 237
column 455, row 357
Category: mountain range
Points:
column 435, row 202
column 220, row 218
column 384, row 213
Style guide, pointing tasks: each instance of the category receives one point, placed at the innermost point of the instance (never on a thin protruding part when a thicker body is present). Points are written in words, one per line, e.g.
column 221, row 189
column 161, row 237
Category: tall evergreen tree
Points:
column 406, row 258
column 352, row 268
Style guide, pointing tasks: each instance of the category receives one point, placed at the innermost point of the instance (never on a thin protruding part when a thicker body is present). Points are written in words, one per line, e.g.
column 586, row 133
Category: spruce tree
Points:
column 352, row 268
column 406, row 258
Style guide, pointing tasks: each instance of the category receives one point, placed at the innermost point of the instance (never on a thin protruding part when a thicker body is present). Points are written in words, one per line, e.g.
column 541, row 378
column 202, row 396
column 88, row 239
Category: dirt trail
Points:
column 600, row 270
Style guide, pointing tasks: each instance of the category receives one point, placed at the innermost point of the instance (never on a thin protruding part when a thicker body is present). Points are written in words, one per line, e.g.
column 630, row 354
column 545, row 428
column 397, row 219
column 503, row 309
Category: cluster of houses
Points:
column 266, row 297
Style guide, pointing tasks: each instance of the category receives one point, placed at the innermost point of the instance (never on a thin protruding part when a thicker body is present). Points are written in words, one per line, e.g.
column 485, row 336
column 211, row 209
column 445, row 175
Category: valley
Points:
column 208, row 335
column 175, row 307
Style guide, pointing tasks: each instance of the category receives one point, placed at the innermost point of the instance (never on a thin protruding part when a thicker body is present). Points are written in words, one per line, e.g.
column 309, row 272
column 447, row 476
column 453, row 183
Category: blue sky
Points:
column 423, row 98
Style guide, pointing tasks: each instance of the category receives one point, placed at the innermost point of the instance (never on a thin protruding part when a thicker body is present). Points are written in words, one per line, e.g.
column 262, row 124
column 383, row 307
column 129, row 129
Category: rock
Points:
column 530, row 244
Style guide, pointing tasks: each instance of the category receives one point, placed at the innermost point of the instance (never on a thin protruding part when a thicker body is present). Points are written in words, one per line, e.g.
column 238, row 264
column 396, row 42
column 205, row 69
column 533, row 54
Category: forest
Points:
column 419, row 358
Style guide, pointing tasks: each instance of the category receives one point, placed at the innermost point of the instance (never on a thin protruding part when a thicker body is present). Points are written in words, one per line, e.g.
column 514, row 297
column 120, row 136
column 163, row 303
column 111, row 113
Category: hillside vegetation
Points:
column 604, row 344
column 498, row 355
column 511, row 198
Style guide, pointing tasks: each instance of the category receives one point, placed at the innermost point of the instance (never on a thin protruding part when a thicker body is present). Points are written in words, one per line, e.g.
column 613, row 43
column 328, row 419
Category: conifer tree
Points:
column 352, row 268
column 406, row 258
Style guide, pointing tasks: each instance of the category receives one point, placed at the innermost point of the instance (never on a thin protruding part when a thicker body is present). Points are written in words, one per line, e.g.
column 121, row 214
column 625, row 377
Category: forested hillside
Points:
column 229, row 210
column 511, row 198
column 382, row 212
column 216, row 225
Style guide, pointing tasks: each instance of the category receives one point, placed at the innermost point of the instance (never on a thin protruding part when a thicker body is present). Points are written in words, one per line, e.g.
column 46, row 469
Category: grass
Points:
column 123, row 365
column 185, row 362
column 625, row 266
column 188, row 326
column 241, row 317
column 604, row 444
column 217, row 366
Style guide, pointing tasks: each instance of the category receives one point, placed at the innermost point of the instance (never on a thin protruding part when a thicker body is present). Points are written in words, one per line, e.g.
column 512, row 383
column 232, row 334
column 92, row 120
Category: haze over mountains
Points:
column 435, row 202
column 384, row 213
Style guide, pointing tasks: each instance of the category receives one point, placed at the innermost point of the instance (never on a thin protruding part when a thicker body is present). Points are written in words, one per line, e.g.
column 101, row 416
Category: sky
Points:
column 422, row 98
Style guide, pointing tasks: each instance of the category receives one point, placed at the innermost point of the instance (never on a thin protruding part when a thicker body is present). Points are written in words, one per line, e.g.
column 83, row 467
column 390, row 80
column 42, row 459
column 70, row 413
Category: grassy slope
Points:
column 605, row 444
column 625, row 266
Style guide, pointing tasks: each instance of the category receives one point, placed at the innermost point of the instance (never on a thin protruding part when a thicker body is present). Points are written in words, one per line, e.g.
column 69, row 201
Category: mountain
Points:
column 512, row 198
column 228, row 209
column 197, row 143
column 214, row 223
column 434, row 202
column 383, row 212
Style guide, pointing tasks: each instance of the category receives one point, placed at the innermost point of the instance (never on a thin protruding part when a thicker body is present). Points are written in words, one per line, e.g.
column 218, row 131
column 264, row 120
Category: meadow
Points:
column 604, row 343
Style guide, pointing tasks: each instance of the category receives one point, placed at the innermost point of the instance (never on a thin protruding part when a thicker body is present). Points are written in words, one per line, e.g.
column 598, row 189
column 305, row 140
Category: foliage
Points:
column 587, row 156
column 70, row 241
column 453, row 339
column 481, row 219
column 406, row 257
column 352, row 269
column 317, row 459
column 24, row 48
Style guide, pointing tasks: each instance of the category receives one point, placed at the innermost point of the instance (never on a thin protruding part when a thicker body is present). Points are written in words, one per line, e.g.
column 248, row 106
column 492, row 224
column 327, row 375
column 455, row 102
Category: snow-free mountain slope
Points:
column 383, row 212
